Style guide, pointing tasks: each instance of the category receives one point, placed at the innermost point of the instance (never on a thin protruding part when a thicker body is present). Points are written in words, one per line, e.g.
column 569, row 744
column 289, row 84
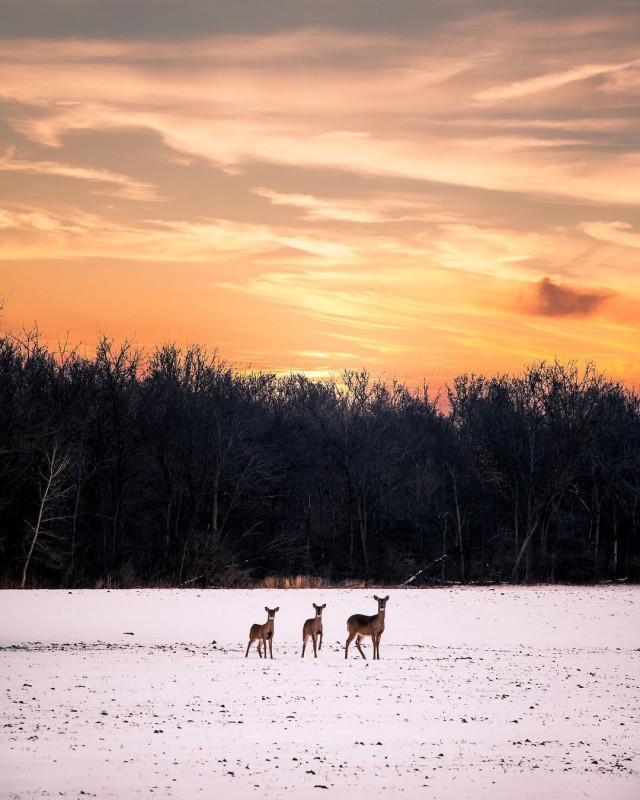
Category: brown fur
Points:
column 313, row 628
column 263, row 633
column 360, row 625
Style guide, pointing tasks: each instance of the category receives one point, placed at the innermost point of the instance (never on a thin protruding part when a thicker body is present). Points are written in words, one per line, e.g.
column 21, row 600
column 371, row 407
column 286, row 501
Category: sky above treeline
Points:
column 415, row 187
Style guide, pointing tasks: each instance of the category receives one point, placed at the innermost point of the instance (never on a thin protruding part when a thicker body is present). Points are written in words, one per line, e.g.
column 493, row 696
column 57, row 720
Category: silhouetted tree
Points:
column 173, row 468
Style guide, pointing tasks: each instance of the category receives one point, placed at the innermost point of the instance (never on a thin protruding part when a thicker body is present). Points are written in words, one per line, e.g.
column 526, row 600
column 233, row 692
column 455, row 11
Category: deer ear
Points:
column 324, row 605
column 276, row 609
column 386, row 598
column 375, row 597
column 266, row 609
column 315, row 606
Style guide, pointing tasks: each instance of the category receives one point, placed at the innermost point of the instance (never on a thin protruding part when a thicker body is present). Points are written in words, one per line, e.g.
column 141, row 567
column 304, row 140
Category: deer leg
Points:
column 260, row 650
column 376, row 646
column 248, row 646
column 314, row 637
column 270, row 647
column 320, row 645
column 346, row 648
column 304, row 643
column 358, row 640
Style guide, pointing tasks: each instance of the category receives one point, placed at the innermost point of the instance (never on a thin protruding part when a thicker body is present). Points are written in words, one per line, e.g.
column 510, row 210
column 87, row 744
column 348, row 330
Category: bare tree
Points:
column 52, row 490
column 180, row 467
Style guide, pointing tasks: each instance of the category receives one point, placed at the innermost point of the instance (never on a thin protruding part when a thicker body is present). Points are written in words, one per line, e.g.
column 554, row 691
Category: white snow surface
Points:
column 480, row 693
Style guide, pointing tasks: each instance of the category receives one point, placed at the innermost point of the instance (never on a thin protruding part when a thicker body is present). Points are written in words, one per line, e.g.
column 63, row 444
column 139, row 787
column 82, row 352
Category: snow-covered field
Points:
column 480, row 693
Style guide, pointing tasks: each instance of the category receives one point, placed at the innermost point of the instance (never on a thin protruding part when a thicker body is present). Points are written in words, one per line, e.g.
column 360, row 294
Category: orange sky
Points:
column 449, row 188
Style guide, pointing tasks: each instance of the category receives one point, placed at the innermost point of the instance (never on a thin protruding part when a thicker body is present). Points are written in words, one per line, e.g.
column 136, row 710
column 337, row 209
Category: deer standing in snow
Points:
column 313, row 628
column 263, row 633
column 360, row 625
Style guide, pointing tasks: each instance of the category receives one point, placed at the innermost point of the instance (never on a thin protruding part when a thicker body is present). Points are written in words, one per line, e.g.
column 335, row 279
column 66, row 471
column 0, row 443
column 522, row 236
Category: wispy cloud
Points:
column 398, row 116
column 553, row 80
column 619, row 233
column 125, row 186
column 317, row 209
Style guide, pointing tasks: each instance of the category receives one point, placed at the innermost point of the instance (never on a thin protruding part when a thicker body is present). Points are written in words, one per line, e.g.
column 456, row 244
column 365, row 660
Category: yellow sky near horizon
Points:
column 420, row 196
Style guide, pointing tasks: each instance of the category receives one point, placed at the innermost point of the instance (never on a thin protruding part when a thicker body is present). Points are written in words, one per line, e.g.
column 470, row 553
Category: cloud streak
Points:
column 125, row 186
column 548, row 82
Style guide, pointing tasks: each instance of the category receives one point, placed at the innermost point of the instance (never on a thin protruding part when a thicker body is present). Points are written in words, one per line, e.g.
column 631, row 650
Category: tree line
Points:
column 175, row 468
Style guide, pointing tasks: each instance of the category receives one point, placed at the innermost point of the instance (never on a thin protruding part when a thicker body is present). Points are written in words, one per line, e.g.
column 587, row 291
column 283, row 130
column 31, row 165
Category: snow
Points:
column 480, row 693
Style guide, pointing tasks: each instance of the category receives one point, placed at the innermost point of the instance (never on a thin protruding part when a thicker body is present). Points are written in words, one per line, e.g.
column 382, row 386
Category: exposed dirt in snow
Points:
column 479, row 693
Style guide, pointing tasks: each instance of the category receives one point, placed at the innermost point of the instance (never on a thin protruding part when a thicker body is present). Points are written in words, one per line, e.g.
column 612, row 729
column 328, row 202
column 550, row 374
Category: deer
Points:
column 263, row 633
column 360, row 625
column 313, row 628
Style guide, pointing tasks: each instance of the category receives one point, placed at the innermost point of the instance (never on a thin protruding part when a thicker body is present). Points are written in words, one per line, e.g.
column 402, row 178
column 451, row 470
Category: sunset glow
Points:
column 315, row 186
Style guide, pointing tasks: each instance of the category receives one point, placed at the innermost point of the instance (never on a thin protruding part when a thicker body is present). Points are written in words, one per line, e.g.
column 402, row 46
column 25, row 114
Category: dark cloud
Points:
column 125, row 19
column 133, row 19
column 557, row 300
